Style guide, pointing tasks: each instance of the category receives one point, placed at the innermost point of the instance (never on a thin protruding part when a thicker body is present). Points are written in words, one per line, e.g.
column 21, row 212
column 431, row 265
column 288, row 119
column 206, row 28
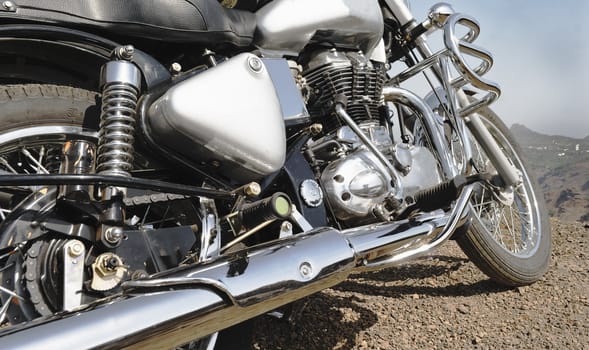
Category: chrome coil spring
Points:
column 53, row 159
column 117, row 125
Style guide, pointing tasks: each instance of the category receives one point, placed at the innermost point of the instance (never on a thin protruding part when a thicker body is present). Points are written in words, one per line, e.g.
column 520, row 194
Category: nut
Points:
column 252, row 189
column 75, row 249
column 113, row 235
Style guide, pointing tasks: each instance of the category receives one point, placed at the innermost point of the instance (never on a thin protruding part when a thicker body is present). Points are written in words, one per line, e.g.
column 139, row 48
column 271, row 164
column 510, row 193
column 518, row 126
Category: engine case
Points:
column 357, row 183
column 229, row 115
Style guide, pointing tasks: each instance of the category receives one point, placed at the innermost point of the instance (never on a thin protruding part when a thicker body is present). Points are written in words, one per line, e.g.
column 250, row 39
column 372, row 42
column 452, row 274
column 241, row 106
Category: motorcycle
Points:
column 170, row 169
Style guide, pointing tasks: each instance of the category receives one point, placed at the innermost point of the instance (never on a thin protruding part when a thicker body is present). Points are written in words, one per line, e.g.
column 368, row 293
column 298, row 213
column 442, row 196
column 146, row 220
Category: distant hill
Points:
column 561, row 165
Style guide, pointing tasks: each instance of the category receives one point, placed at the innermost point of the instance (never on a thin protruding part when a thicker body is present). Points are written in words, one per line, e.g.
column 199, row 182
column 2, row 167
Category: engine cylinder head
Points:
column 351, row 75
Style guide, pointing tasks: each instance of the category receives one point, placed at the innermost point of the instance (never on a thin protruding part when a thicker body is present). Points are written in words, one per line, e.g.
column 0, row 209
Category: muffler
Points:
column 174, row 307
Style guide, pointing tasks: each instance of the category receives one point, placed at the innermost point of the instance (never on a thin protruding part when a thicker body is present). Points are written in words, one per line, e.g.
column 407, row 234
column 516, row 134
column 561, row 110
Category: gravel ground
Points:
column 445, row 302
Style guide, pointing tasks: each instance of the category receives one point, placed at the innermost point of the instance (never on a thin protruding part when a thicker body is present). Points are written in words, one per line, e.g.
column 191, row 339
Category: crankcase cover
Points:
column 229, row 115
column 355, row 184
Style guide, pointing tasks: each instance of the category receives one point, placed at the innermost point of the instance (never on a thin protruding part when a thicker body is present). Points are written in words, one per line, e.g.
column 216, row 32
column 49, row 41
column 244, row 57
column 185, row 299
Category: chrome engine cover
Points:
column 357, row 183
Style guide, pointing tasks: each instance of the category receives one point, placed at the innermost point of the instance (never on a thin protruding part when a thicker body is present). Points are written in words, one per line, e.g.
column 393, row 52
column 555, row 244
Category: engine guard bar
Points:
column 189, row 302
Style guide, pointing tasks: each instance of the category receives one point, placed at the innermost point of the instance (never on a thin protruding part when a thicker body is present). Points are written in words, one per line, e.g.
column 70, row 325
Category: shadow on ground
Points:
column 335, row 318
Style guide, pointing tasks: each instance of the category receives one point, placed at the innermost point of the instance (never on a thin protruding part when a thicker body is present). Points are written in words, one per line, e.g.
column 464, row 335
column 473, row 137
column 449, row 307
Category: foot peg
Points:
column 442, row 195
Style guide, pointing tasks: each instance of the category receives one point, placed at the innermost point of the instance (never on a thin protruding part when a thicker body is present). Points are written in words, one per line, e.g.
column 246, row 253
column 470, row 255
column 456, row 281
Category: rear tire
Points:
column 509, row 243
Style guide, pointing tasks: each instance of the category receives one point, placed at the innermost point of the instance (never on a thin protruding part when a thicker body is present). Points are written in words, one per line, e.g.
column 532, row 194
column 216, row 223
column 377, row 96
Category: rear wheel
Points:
column 35, row 121
column 509, row 239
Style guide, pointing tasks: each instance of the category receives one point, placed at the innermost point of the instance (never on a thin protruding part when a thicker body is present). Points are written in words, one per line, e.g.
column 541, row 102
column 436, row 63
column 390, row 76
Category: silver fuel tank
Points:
column 228, row 118
column 287, row 26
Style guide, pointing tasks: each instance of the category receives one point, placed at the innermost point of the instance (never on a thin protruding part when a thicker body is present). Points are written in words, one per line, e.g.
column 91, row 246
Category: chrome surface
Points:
column 202, row 119
column 395, row 176
column 348, row 77
column 439, row 13
column 378, row 134
column 43, row 134
column 514, row 222
column 78, row 157
column 300, row 220
column 458, row 47
column 442, row 229
column 502, row 164
column 428, row 119
column 286, row 26
column 176, row 306
column 120, row 91
column 400, row 10
column 120, row 71
column 285, row 230
column 208, row 342
column 455, row 50
column 210, row 238
column 73, row 274
column 423, row 172
column 311, row 193
column 355, row 184
column 291, row 101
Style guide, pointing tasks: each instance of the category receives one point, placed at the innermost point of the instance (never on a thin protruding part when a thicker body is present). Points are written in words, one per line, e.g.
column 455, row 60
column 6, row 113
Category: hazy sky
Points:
column 541, row 51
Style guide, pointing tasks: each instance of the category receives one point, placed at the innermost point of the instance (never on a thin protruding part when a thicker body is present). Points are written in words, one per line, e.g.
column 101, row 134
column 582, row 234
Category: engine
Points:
column 355, row 181
column 352, row 75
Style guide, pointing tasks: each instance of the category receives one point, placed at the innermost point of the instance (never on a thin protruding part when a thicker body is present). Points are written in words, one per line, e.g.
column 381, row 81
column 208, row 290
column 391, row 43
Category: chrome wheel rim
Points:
column 27, row 151
column 515, row 226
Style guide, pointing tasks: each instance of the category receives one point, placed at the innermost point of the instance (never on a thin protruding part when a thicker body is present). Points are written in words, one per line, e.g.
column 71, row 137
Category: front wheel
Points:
column 509, row 239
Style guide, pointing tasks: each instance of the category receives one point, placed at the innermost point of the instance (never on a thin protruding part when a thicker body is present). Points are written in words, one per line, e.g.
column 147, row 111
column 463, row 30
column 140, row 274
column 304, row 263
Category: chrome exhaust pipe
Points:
column 190, row 302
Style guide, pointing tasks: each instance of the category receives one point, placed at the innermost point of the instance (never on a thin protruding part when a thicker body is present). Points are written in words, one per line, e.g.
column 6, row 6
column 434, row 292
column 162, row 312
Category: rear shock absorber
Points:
column 121, row 85
column 121, row 81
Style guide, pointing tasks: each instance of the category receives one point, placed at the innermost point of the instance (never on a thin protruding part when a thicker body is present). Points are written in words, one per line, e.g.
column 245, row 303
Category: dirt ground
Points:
column 445, row 302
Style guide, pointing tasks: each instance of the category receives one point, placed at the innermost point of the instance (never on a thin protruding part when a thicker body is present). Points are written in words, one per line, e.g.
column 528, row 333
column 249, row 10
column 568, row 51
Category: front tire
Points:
column 509, row 239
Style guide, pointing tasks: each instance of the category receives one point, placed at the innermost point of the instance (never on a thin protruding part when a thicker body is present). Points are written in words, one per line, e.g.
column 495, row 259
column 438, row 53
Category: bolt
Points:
column 175, row 68
column 113, row 235
column 125, row 52
column 315, row 129
column 138, row 275
column 9, row 5
column 75, row 249
column 306, row 270
column 255, row 64
column 286, row 226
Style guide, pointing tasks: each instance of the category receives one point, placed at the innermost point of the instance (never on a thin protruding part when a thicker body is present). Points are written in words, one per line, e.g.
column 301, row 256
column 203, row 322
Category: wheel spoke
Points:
column 4, row 310
column 4, row 162
column 40, row 168
column 11, row 293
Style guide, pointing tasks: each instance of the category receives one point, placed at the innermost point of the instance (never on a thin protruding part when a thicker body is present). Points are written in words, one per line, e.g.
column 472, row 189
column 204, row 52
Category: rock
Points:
column 463, row 309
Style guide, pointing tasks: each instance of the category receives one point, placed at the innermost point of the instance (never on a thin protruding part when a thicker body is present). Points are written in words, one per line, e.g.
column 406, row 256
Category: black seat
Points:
column 182, row 21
